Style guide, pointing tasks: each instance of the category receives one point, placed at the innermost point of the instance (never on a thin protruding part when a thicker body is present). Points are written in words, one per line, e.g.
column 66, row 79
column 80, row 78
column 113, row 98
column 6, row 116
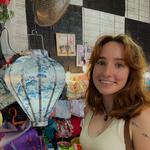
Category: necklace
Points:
column 105, row 113
column 105, row 117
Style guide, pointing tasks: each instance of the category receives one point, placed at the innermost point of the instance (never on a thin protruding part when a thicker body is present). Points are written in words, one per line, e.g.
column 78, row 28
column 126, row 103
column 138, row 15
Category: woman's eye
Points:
column 119, row 65
column 101, row 62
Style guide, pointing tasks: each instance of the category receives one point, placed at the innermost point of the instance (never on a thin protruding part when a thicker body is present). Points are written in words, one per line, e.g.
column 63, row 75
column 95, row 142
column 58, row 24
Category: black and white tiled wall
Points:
column 88, row 19
column 113, row 17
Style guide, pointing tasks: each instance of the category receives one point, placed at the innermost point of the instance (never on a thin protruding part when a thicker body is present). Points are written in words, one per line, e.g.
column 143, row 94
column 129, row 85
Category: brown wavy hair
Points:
column 130, row 100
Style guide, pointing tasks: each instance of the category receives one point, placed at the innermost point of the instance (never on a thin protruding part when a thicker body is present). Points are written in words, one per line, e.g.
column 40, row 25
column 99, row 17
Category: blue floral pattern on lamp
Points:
column 37, row 82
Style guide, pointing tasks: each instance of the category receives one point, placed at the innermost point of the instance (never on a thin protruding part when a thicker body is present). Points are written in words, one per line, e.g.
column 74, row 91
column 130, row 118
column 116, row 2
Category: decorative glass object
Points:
column 36, row 81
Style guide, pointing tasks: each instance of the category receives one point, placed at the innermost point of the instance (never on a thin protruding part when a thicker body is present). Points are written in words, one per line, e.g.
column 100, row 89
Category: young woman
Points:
column 116, row 92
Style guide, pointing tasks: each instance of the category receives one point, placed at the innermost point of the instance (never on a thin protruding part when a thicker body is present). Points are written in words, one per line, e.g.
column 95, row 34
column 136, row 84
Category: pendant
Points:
column 105, row 117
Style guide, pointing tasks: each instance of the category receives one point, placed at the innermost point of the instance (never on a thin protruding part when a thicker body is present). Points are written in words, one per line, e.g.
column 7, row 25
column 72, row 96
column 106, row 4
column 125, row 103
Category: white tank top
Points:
column 112, row 138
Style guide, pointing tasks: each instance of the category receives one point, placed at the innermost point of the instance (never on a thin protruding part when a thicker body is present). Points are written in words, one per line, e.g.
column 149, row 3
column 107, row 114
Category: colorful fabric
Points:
column 9, row 133
column 65, row 128
column 4, row 2
column 69, row 128
column 76, row 124
column 62, row 109
column 51, row 129
column 77, row 107
column 28, row 141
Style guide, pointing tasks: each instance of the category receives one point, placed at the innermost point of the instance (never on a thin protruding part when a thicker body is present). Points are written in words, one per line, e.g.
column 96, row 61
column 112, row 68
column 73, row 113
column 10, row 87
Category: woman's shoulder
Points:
column 140, row 128
column 143, row 117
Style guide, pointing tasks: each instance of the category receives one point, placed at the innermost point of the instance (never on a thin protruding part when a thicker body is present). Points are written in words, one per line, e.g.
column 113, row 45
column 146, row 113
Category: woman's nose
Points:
column 108, row 70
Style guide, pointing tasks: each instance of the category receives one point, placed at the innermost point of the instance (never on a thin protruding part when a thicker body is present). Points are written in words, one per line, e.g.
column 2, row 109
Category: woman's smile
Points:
column 109, row 82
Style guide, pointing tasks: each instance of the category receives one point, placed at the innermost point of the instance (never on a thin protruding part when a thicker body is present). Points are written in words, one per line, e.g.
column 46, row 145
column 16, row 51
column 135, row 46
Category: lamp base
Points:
column 40, row 124
column 39, row 130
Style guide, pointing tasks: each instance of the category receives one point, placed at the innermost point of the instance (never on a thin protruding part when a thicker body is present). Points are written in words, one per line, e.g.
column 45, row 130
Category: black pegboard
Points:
column 70, row 22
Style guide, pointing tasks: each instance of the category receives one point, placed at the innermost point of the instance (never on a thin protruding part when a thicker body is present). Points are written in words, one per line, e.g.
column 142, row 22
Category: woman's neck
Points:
column 108, row 102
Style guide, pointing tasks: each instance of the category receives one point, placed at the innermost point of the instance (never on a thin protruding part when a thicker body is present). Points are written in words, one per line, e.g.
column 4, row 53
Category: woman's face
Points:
column 110, row 73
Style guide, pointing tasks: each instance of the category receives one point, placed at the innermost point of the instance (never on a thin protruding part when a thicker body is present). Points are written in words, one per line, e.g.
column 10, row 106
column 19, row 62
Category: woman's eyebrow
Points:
column 102, row 57
column 116, row 58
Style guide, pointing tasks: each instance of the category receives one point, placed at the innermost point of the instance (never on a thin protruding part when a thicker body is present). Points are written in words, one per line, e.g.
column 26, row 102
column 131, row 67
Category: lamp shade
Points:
column 36, row 81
